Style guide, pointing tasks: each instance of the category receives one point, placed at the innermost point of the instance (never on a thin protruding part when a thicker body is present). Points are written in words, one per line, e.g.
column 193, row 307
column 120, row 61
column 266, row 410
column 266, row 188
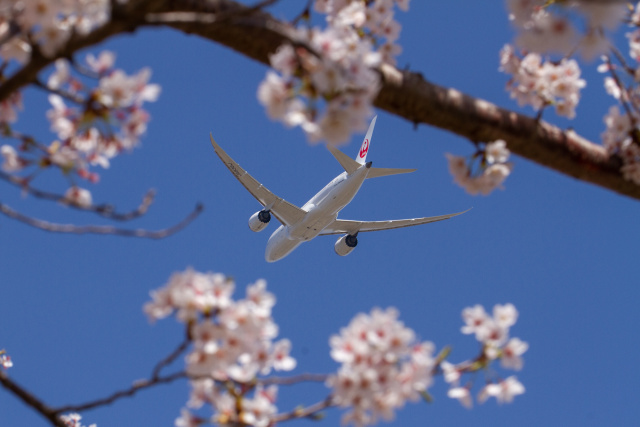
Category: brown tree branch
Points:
column 31, row 401
column 293, row 380
column 135, row 388
column 99, row 229
column 155, row 374
column 105, row 210
column 257, row 34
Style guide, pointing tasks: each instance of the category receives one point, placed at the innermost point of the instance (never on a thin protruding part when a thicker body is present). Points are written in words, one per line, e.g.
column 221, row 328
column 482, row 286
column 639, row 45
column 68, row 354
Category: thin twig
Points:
column 136, row 387
column 60, row 92
column 307, row 412
column 293, row 380
column 99, row 229
column 155, row 374
column 105, row 210
column 32, row 401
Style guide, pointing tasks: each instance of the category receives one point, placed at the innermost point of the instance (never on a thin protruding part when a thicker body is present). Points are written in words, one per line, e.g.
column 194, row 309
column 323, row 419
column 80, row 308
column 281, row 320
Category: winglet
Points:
column 364, row 148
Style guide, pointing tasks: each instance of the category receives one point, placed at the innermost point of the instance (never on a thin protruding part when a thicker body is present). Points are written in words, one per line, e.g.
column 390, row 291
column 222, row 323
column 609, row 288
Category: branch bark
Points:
column 256, row 34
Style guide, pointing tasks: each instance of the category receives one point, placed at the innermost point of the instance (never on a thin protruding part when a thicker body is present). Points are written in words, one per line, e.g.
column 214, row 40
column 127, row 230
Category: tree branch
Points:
column 304, row 412
column 155, row 374
column 30, row 400
column 105, row 210
column 99, row 229
column 136, row 387
column 256, row 34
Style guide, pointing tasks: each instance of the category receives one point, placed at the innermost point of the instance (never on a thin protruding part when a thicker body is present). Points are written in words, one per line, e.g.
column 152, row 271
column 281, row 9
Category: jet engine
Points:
column 346, row 244
column 259, row 220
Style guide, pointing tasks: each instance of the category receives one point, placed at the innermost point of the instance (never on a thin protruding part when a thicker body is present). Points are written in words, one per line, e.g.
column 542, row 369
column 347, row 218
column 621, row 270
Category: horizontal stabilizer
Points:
column 347, row 162
column 376, row 172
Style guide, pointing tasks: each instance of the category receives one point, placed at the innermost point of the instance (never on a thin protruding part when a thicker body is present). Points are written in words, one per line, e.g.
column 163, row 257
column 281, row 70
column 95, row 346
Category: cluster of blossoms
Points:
column 332, row 68
column 382, row 366
column 541, row 83
column 107, row 120
column 5, row 360
column 232, row 345
column 493, row 333
column 622, row 134
column 494, row 169
column 550, row 26
column 73, row 420
column 47, row 24
column 547, row 27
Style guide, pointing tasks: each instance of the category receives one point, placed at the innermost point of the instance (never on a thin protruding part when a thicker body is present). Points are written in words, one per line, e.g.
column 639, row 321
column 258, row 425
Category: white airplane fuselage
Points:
column 322, row 209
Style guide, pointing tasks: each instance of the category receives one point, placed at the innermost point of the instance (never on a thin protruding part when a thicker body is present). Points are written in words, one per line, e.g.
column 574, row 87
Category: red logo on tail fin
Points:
column 364, row 148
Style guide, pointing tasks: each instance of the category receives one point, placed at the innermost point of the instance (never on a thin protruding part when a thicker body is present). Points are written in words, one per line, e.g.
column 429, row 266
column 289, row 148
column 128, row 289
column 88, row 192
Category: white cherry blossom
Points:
column 504, row 391
column 78, row 196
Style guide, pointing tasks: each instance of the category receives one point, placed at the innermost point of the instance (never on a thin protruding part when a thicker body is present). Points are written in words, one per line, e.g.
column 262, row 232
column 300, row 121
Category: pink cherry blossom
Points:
column 463, row 395
column 73, row 420
column 382, row 366
column 337, row 73
column 12, row 162
column 504, row 391
column 78, row 196
column 511, row 353
column 5, row 360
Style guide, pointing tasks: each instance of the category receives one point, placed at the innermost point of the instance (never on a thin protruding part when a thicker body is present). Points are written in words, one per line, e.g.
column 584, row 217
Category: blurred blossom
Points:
column 78, row 196
column 231, row 340
column 493, row 170
column 540, row 83
column 5, row 360
column 382, row 366
column 328, row 88
column 73, row 420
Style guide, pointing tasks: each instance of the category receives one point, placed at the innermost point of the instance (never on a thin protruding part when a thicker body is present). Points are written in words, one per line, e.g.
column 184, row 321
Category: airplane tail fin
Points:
column 364, row 148
column 376, row 172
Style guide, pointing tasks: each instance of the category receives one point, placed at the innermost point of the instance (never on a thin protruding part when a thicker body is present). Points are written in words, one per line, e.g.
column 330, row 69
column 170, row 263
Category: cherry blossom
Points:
column 73, row 420
column 492, row 172
column 104, row 122
column 382, row 366
column 511, row 353
column 493, row 334
column 5, row 360
column 564, row 27
column 504, row 391
column 12, row 162
column 49, row 24
column 332, row 69
column 232, row 342
column 541, row 83
column 78, row 196
column 463, row 395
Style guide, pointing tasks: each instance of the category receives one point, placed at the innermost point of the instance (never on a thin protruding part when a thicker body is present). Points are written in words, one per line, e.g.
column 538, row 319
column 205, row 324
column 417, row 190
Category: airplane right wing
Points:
column 340, row 226
column 284, row 211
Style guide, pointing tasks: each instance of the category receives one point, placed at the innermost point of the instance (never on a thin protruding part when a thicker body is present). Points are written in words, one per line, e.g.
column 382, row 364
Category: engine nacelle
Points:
column 346, row 244
column 259, row 220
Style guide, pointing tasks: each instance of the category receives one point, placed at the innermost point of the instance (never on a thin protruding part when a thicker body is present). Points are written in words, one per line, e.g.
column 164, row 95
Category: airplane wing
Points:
column 284, row 211
column 340, row 226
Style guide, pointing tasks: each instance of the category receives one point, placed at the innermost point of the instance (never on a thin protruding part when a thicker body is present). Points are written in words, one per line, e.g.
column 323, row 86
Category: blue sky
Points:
column 561, row 250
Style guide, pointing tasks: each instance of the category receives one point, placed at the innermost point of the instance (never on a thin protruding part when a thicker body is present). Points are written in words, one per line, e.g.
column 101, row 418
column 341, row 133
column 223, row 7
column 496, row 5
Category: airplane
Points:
column 319, row 216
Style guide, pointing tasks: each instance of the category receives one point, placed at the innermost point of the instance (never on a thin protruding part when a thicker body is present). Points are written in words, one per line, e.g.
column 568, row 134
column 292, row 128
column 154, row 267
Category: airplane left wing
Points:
column 340, row 226
column 287, row 213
